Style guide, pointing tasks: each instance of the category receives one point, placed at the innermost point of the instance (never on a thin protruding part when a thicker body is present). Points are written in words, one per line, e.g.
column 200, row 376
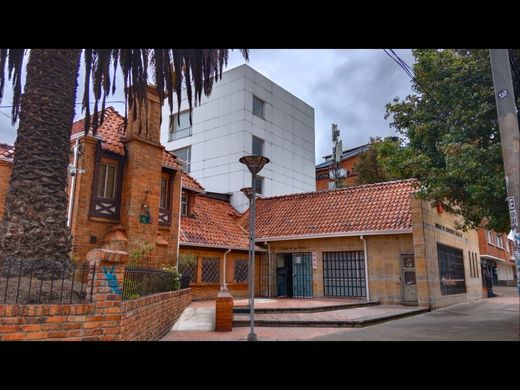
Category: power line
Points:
column 409, row 71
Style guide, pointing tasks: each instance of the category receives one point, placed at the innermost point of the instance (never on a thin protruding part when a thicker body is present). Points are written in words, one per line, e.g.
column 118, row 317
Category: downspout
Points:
column 179, row 225
column 269, row 269
column 366, row 265
column 73, row 172
column 223, row 287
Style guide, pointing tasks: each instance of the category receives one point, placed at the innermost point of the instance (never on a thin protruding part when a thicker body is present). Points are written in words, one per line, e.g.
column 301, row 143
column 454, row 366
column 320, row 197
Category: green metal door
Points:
column 302, row 275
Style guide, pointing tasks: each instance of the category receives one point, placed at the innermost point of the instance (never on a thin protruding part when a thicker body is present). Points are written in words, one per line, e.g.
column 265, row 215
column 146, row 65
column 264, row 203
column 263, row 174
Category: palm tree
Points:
column 34, row 230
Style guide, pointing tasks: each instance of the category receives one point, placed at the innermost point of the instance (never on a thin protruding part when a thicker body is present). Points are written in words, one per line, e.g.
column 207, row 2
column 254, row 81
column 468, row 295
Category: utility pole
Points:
column 510, row 141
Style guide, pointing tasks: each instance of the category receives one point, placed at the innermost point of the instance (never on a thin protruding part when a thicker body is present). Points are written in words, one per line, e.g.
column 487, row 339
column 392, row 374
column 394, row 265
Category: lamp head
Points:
column 254, row 163
column 248, row 192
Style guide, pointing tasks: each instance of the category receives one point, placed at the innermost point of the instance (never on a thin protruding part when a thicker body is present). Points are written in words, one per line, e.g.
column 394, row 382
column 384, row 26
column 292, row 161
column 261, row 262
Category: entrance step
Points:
column 349, row 318
column 308, row 309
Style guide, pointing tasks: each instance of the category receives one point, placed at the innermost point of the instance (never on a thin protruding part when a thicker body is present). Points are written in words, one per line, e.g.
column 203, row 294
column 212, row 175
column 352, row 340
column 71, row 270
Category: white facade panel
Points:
column 222, row 131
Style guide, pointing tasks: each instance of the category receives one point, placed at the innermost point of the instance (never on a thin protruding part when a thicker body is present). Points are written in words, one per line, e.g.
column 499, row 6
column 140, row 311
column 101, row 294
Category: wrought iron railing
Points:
column 140, row 282
column 37, row 283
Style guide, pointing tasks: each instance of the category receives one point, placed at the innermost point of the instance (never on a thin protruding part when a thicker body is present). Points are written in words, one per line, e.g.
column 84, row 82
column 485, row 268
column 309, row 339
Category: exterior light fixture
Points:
column 255, row 165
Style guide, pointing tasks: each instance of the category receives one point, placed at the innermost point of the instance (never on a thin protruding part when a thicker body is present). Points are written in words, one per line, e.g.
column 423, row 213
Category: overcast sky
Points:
column 349, row 87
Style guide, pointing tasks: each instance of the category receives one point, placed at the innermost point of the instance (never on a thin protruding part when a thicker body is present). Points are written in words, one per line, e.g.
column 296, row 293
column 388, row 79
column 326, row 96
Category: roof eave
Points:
column 191, row 244
column 340, row 234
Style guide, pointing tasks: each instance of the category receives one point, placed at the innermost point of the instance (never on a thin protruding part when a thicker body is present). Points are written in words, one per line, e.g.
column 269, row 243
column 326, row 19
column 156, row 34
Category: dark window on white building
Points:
column 259, row 184
column 258, row 146
column 258, row 107
column 185, row 155
column 180, row 126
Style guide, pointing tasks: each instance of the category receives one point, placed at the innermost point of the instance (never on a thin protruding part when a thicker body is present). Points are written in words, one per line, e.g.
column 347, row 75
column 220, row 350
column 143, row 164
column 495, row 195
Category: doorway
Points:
column 408, row 280
column 284, row 270
column 294, row 275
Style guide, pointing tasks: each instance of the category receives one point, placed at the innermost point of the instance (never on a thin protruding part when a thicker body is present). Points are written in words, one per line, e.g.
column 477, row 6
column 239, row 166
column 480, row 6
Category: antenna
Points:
column 337, row 173
column 335, row 132
column 338, row 149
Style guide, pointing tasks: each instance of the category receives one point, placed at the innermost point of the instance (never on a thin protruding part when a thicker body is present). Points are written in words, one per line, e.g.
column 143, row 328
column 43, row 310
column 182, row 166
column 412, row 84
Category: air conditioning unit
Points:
column 338, row 174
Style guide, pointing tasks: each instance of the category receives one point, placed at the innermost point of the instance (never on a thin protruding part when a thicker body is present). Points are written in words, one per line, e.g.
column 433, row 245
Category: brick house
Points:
column 127, row 189
column 496, row 255
column 213, row 246
column 348, row 159
column 376, row 241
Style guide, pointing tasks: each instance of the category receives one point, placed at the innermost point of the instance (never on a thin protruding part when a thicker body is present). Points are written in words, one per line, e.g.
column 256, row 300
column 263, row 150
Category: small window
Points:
column 210, row 269
column 240, row 271
column 490, row 236
column 185, row 155
column 258, row 146
column 180, row 126
column 184, row 205
column 106, row 188
column 500, row 241
column 259, row 185
column 258, row 107
column 164, row 200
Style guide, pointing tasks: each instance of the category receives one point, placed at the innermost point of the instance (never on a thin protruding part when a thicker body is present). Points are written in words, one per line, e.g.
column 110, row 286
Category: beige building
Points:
column 376, row 241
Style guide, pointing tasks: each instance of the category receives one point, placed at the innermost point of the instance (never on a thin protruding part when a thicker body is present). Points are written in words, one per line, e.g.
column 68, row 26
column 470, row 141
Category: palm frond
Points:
column 173, row 70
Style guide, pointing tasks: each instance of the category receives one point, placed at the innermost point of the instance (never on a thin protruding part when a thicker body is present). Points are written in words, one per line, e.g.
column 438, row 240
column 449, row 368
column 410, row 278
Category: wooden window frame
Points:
column 105, row 157
column 168, row 174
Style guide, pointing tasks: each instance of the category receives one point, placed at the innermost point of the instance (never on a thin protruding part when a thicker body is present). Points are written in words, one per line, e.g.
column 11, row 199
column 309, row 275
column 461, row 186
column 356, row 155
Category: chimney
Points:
column 146, row 128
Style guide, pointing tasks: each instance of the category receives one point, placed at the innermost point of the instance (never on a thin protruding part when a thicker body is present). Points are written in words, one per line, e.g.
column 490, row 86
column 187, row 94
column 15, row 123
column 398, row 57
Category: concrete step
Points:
column 242, row 320
column 311, row 309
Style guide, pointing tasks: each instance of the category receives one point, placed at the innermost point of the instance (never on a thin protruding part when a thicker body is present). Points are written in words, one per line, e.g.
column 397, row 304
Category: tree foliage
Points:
column 385, row 160
column 452, row 127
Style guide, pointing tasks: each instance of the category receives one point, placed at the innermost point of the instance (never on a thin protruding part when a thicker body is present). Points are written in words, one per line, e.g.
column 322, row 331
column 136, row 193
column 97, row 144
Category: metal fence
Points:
column 140, row 282
column 37, row 283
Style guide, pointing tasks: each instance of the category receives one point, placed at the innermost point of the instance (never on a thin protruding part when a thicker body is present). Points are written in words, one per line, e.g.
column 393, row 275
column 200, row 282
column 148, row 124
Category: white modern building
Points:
column 245, row 114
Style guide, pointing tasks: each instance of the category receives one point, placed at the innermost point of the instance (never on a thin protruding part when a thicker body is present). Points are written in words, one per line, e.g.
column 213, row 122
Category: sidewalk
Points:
column 197, row 323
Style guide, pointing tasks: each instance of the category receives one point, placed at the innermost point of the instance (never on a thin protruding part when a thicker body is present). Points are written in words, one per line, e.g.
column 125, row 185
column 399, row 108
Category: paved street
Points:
column 494, row 319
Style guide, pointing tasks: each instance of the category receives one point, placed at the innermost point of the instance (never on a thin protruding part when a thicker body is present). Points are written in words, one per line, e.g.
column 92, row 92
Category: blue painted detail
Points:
column 112, row 279
column 302, row 274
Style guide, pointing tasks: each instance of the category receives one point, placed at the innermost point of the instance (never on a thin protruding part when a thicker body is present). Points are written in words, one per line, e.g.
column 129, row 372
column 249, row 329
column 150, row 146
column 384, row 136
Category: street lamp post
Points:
column 255, row 165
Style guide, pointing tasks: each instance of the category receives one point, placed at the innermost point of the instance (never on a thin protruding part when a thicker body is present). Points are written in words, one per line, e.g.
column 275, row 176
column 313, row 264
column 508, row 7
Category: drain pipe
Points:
column 269, row 268
column 366, row 265
column 73, row 170
column 223, row 287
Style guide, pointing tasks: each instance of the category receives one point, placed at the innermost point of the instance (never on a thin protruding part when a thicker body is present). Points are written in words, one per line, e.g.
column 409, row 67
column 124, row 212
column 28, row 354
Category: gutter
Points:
column 258, row 249
column 341, row 234
column 365, row 249
column 223, row 287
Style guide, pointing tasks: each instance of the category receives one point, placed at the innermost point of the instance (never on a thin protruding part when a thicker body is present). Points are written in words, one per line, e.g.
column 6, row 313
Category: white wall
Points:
column 223, row 126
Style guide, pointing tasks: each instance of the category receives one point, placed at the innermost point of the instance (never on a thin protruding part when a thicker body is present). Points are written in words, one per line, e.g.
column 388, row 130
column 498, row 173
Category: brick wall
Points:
column 486, row 248
column 5, row 173
column 151, row 317
column 431, row 227
column 106, row 318
column 383, row 252
column 348, row 164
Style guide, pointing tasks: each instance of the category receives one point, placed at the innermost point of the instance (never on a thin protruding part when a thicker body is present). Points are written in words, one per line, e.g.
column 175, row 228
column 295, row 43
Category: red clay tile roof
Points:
column 6, row 151
column 112, row 131
column 190, row 183
column 372, row 207
column 215, row 223
column 169, row 160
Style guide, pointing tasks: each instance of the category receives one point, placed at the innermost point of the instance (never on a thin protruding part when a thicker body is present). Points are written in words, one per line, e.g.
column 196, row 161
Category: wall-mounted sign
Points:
column 314, row 262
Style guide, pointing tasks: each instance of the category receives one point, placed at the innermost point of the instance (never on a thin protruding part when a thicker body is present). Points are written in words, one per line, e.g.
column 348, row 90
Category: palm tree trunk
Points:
column 34, row 228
